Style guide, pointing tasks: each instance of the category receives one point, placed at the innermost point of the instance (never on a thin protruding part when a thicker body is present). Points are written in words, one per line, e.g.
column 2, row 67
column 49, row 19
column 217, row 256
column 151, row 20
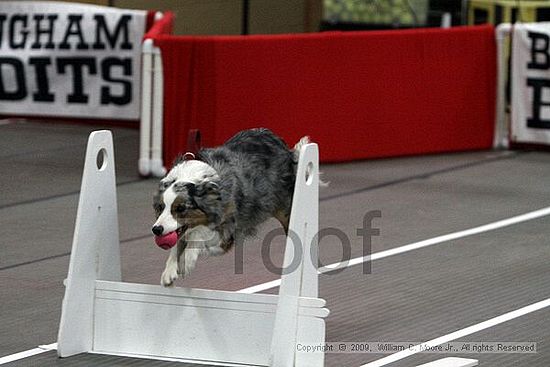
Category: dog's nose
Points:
column 157, row 230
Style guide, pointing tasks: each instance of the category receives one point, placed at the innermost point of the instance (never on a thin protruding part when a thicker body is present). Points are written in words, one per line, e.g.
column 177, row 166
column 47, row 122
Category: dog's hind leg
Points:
column 201, row 240
column 190, row 256
column 283, row 217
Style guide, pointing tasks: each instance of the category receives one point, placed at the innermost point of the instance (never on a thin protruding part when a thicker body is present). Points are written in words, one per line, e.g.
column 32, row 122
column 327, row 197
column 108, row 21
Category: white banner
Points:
column 73, row 60
column 531, row 83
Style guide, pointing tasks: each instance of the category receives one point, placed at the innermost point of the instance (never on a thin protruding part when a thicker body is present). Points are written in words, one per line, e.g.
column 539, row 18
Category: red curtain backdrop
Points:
column 357, row 94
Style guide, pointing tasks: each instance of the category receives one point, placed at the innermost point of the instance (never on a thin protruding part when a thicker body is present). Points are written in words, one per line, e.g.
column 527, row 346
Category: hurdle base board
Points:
column 178, row 360
column 197, row 325
column 451, row 362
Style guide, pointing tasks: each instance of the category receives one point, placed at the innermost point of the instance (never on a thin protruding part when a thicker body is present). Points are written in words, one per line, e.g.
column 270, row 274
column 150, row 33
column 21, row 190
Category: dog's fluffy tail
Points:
column 297, row 147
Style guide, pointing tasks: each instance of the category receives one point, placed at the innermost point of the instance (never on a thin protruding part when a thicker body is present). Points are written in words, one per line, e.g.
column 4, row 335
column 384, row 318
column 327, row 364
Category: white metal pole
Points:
column 501, row 128
column 147, row 74
column 157, row 166
column 144, row 162
column 446, row 20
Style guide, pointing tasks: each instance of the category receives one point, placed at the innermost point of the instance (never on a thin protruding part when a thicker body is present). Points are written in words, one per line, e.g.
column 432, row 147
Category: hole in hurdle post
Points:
column 309, row 173
column 101, row 159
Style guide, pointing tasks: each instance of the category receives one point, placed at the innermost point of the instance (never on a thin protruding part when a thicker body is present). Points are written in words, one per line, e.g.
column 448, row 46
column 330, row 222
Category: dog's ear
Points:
column 207, row 188
column 208, row 199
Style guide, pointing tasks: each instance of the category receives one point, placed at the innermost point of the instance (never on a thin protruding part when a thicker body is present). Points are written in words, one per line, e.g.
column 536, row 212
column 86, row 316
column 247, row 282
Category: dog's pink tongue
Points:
column 167, row 241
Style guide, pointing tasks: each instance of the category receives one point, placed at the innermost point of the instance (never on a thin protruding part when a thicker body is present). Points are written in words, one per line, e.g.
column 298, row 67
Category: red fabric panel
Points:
column 149, row 20
column 163, row 26
column 358, row 94
column 189, row 91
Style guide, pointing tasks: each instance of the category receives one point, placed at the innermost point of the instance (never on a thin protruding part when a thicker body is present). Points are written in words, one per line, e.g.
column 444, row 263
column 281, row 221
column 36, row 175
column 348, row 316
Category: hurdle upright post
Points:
column 299, row 278
column 95, row 253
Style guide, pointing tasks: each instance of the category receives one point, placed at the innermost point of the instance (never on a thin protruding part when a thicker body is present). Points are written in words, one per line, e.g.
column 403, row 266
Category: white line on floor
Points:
column 359, row 260
column 28, row 353
column 414, row 246
column 461, row 333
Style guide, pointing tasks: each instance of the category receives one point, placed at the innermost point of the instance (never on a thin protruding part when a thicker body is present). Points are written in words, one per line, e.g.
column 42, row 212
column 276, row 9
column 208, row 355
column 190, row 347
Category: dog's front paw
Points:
column 169, row 275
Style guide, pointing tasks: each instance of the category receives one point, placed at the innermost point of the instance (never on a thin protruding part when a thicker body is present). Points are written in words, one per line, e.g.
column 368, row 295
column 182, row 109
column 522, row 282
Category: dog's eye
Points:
column 179, row 209
column 158, row 207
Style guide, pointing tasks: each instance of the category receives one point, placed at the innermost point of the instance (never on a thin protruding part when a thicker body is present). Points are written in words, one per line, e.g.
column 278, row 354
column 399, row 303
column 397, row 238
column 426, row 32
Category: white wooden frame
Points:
column 102, row 314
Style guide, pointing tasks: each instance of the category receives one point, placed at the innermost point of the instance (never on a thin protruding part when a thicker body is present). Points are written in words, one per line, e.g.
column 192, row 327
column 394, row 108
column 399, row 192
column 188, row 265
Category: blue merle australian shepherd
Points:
column 203, row 205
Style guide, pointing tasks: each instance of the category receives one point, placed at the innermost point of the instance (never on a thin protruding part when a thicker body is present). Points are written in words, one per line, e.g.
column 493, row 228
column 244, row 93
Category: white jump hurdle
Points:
column 102, row 314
